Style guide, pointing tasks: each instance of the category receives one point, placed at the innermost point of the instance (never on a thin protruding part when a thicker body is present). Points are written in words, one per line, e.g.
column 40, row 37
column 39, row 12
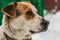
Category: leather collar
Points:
column 7, row 37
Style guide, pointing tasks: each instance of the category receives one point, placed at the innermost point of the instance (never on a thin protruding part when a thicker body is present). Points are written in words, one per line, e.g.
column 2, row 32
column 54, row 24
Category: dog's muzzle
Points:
column 45, row 24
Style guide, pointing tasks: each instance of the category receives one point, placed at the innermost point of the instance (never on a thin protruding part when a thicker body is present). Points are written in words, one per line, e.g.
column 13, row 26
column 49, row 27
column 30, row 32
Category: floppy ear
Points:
column 10, row 10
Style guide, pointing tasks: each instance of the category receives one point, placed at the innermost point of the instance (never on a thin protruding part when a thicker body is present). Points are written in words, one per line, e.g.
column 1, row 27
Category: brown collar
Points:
column 7, row 37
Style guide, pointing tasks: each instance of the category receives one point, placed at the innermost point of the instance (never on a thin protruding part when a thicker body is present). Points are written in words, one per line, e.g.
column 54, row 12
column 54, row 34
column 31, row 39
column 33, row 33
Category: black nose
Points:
column 45, row 23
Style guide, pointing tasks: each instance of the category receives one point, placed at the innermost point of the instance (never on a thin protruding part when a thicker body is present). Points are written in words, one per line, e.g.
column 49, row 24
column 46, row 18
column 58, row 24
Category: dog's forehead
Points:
column 25, row 5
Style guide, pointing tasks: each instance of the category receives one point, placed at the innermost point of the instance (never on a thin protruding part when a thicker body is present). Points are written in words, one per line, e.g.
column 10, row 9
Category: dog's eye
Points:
column 29, row 13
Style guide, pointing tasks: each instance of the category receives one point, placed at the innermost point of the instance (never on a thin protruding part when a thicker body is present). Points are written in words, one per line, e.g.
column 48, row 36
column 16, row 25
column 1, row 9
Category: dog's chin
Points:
column 33, row 32
column 44, row 30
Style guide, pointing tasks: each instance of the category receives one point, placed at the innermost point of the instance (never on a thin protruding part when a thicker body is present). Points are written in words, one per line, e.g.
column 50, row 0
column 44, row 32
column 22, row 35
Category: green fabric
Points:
column 37, row 3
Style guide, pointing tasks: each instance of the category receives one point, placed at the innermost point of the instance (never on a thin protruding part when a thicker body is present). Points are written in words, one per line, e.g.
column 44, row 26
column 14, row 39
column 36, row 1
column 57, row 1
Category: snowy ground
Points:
column 53, row 32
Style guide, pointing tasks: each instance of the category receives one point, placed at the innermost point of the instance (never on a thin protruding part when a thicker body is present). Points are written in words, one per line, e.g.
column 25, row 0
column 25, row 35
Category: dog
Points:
column 20, row 20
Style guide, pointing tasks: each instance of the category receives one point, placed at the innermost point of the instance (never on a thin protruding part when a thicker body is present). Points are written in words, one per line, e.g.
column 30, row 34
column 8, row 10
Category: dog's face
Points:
column 23, row 15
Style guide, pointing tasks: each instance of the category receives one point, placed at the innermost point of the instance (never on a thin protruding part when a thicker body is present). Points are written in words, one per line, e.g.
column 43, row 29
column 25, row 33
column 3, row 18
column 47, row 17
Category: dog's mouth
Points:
column 42, row 30
column 43, row 27
column 32, row 31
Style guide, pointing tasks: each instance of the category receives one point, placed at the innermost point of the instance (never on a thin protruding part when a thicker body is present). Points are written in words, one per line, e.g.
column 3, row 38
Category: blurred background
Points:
column 50, row 8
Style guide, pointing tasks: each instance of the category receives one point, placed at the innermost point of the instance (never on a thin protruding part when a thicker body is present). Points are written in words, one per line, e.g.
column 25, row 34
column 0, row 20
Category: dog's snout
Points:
column 45, row 23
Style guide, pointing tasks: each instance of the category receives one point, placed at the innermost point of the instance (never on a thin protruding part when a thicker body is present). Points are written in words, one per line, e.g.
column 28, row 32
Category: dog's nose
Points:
column 45, row 23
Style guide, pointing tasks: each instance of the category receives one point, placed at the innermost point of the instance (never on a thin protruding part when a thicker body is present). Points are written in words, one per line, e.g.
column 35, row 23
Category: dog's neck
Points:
column 12, row 33
column 7, row 28
column 8, row 33
column 7, row 37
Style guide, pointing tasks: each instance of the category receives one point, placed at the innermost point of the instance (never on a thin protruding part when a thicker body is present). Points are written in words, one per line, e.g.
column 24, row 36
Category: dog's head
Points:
column 23, row 15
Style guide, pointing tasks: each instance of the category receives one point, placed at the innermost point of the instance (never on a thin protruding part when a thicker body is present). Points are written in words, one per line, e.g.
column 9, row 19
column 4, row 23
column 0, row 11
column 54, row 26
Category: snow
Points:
column 53, row 32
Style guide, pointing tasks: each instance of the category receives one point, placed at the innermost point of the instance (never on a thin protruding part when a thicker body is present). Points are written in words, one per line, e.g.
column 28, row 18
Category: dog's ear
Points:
column 10, row 10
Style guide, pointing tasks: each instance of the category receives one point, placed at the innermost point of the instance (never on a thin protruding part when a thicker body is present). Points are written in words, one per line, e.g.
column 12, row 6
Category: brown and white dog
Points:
column 20, row 20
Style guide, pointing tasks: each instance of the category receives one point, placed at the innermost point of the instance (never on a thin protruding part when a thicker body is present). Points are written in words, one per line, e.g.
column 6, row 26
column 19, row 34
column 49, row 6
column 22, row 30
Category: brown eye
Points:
column 29, row 13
